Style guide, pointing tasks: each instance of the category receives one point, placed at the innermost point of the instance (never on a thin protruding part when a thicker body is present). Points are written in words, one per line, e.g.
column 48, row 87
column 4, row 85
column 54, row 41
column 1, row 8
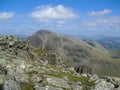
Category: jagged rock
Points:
column 36, row 78
column 54, row 58
column 84, row 74
column 12, row 45
column 22, row 78
column 77, row 86
column 118, row 88
column 2, row 62
column 3, row 70
column 103, row 85
column 46, row 88
column 2, row 79
column 1, row 87
column 94, row 78
column 11, row 85
column 57, row 82
column 83, row 69
column 114, row 80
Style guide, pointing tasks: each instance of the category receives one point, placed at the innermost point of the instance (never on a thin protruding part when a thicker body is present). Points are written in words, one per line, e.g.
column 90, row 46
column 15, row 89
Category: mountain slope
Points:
column 76, row 51
column 110, row 42
column 113, row 44
column 23, row 67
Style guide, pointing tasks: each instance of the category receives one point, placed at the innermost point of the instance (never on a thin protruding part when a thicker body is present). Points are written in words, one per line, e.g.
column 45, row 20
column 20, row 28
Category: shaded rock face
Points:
column 14, row 55
column 83, row 69
column 54, row 58
column 1, row 87
column 13, row 47
column 11, row 44
column 3, row 70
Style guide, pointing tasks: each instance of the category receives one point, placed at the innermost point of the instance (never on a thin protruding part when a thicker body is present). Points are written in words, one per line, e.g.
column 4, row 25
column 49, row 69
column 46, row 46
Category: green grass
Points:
column 39, row 51
column 28, row 86
column 32, row 73
column 66, row 89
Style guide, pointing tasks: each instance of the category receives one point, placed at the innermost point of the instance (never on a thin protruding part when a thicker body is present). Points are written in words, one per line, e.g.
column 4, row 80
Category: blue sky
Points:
column 71, row 17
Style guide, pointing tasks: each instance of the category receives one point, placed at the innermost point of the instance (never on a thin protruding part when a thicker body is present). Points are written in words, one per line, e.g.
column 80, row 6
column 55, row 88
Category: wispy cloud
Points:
column 6, row 15
column 48, row 13
column 106, row 22
column 100, row 13
column 61, row 22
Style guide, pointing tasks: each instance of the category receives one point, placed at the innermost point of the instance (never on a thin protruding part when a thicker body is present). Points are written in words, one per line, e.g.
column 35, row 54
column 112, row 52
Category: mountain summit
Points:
column 76, row 51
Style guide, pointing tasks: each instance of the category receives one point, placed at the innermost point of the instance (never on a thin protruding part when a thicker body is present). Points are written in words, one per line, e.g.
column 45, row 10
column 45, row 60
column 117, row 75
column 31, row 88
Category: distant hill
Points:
column 110, row 42
column 76, row 51
column 113, row 44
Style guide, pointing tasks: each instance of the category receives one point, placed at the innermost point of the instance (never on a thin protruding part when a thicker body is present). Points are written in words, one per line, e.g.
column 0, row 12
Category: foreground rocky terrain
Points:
column 23, row 67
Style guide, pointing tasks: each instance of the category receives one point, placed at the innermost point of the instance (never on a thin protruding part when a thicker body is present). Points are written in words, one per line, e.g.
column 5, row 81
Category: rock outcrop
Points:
column 84, row 69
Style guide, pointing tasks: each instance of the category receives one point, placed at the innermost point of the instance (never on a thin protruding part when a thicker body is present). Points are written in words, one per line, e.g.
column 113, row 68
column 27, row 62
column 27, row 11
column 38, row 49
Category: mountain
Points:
column 110, row 42
column 23, row 67
column 113, row 44
column 76, row 51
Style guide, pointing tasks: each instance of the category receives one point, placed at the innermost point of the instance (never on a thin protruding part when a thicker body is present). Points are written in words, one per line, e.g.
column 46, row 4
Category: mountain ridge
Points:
column 75, row 51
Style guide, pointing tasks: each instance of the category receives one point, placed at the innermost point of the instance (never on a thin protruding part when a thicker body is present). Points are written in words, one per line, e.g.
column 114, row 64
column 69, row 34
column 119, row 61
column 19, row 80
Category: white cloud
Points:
column 100, row 21
column 61, row 22
column 100, row 13
column 6, row 15
column 113, row 21
column 59, row 25
column 48, row 13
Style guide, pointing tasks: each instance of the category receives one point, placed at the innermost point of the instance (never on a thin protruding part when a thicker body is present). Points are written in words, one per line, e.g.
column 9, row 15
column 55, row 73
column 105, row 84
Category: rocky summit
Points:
column 23, row 67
